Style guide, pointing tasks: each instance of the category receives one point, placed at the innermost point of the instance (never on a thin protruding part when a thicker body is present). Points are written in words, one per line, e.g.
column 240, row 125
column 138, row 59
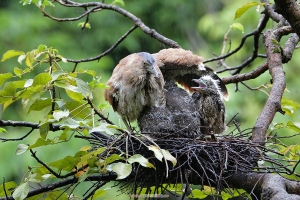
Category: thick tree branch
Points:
column 276, row 70
column 290, row 10
column 270, row 186
column 51, row 187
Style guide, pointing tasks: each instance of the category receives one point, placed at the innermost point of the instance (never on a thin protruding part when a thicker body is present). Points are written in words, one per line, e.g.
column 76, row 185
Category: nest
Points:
column 199, row 162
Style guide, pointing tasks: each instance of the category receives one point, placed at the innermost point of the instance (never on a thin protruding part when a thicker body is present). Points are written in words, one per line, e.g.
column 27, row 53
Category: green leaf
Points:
column 86, row 25
column 97, row 194
column 75, row 95
column 18, row 72
column 225, row 195
column 78, row 109
column 198, row 194
column 66, row 163
column 41, row 48
column 60, row 114
column 141, row 160
column 83, row 87
column 293, row 126
column 122, row 169
column 40, row 142
column 11, row 53
column 44, row 129
column 113, row 158
column 21, row 148
column 21, row 192
column 239, row 12
column 40, row 104
column 29, row 59
column 9, row 187
column 4, row 77
column 238, row 26
column 42, row 79
column 2, row 130
column 119, row 2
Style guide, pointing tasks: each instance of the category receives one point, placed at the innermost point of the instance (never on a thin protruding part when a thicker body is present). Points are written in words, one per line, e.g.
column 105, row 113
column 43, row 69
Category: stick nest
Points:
column 199, row 162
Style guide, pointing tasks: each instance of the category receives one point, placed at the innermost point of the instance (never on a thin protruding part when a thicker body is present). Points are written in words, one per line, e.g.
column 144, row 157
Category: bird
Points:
column 184, row 114
column 180, row 116
column 136, row 83
column 146, row 87
column 209, row 98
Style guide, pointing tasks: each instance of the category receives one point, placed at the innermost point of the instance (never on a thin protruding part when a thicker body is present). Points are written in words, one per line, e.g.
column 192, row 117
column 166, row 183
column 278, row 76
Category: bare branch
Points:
column 107, row 51
column 247, row 76
column 273, row 103
column 290, row 10
column 136, row 21
column 256, row 33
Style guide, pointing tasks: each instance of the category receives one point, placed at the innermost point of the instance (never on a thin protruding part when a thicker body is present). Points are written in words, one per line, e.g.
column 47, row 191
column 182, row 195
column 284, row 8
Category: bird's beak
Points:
column 154, row 71
column 201, row 87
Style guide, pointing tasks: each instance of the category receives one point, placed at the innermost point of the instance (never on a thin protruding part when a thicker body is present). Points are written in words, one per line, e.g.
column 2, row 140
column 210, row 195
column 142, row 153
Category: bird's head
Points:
column 149, row 63
column 208, row 85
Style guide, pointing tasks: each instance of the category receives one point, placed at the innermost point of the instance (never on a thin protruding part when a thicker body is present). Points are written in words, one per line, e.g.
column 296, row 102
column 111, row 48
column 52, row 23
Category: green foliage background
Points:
column 196, row 25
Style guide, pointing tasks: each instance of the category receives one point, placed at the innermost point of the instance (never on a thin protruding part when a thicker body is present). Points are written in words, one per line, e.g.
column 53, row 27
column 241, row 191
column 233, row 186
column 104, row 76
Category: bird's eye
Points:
column 145, row 63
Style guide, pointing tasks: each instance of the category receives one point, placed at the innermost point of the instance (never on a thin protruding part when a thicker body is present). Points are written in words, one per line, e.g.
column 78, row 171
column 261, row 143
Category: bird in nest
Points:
column 136, row 82
column 143, row 87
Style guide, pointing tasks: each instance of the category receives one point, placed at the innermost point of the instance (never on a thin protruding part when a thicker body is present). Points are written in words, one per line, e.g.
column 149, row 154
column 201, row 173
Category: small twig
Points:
column 106, row 52
column 17, row 139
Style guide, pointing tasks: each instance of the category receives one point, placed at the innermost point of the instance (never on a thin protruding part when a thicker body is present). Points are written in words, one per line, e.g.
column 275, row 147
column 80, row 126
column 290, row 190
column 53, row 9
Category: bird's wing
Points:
column 183, row 66
column 115, row 82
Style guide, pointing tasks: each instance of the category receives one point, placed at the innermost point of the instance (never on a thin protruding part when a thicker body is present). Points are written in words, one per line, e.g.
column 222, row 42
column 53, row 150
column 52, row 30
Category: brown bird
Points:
column 182, row 114
column 208, row 96
column 137, row 90
column 136, row 82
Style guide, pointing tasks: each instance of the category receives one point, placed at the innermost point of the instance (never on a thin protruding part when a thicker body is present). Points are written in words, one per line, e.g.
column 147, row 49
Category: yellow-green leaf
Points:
column 4, row 77
column 238, row 26
column 239, row 12
column 18, row 71
column 11, row 53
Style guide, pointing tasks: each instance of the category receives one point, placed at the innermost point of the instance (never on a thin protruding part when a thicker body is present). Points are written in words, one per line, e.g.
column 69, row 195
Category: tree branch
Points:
column 247, row 76
column 50, row 187
column 136, row 21
column 276, row 70
column 290, row 10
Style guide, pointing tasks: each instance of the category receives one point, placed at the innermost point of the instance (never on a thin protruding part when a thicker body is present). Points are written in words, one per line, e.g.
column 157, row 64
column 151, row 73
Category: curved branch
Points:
column 136, row 21
column 256, row 33
column 269, row 10
column 107, row 51
column 247, row 76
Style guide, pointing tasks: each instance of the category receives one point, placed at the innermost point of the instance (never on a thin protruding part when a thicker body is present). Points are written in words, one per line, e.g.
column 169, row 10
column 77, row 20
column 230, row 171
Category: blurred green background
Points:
column 196, row 25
